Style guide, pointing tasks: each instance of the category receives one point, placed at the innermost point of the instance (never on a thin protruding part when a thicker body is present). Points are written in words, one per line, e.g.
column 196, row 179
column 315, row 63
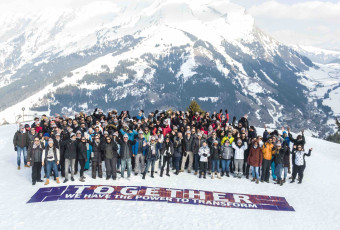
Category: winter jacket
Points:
column 226, row 151
column 130, row 135
column 300, row 157
column 267, row 150
column 21, row 139
column 296, row 141
column 125, row 152
column 55, row 155
column 98, row 151
column 279, row 155
column 136, row 146
column 255, row 157
column 215, row 153
column 239, row 151
column 204, row 153
column 178, row 147
column 70, row 149
column 150, row 155
column 35, row 154
column 286, row 159
column 113, row 153
column 167, row 149
column 82, row 151
column 188, row 143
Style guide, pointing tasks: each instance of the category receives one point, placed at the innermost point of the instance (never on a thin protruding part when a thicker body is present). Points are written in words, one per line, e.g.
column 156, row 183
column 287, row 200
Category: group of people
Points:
column 201, row 143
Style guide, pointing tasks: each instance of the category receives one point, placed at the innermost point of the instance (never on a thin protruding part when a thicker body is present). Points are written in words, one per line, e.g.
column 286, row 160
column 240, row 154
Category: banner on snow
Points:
column 168, row 195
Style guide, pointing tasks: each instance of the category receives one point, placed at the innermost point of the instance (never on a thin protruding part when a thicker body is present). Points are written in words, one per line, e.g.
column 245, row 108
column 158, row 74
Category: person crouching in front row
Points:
column 50, row 157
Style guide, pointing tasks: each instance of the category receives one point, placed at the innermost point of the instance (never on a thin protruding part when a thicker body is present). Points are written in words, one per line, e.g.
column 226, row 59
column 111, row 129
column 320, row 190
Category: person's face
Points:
column 97, row 129
column 146, row 130
column 214, row 135
column 274, row 139
column 74, row 138
column 239, row 125
column 167, row 140
column 36, row 141
column 108, row 139
column 278, row 146
column 243, row 135
column 96, row 138
column 126, row 139
column 50, row 144
column 33, row 130
column 270, row 140
column 229, row 134
column 204, row 144
column 57, row 138
column 299, row 148
column 141, row 135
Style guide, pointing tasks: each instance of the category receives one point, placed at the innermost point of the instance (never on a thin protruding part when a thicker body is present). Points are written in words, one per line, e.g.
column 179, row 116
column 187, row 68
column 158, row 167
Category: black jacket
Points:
column 70, row 148
column 215, row 153
column 98, row 151
column 82, row 151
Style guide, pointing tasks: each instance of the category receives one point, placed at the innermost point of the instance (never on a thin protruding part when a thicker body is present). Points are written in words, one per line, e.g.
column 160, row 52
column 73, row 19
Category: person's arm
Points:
column 233, row 145
column 43, row 156
column 58, row 155
column 309, row 152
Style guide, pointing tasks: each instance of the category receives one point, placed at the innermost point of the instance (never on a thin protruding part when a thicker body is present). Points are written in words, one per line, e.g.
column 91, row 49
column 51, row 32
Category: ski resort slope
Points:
column 316, row 200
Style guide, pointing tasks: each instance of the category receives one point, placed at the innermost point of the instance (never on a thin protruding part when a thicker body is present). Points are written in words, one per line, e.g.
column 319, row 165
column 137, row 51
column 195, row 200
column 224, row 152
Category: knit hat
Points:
column 78, row 132
column 106, row 133
column 215, row 142
column 140, row 132
column 152, row 138
column 115, row 134
column 50, row 141
column 188, row 132
column 46, row 135
column 199, row 134
column 125, row 135
column 278, row 144
column 27, row 126
column 72, row 134
column 239, row 141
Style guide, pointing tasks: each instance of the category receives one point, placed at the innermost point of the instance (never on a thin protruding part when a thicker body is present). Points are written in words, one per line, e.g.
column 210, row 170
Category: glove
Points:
column 205, row 155
column 15, row 148
column 185, row 153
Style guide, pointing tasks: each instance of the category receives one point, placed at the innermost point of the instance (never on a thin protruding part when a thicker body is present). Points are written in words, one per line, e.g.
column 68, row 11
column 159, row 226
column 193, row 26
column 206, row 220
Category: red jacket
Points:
column 255, row 157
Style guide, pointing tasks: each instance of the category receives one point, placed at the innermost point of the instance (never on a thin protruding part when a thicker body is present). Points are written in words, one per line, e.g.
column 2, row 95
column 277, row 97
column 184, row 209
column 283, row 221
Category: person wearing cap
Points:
column 215, row 153
column 198, row 142
column 152, row 154
column 50, row 158
column 267, row 151
column 227, row 152
column 300, row 162
column 34, row 159
column 139, row 153
column 239, row 157
column 187, row 151
column 21, row 142
column 255, row 160
column 204, row 153
column 97, row 156
column 125, row 154
column 167, row 151
column 70, row 154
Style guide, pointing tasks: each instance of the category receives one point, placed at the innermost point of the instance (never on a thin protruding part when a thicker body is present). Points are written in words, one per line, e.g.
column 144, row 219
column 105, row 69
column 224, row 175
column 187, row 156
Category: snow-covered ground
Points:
column 316, row 201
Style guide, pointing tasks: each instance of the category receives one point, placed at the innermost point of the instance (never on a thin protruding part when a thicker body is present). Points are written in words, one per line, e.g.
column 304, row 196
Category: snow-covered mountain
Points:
column 319, row 55
column 155, row 54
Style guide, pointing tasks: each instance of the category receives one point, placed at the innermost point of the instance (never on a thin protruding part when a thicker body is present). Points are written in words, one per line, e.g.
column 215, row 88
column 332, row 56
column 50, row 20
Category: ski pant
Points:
column 68, row 163
column 126, row 163
column 111, row 167
column 299, row 170
column 184, row 159
column 97, row 165
column 139, row 163
column 226, row 165
column 265, row 169
column 255, row 171
column 166, row 162
column 51, row 165
column 238, row 165
column 215, row 166
column 36, row 171
column 273, row 170
column 278, row 171
column 24, row 153
column 203, row 167
column 82, row 166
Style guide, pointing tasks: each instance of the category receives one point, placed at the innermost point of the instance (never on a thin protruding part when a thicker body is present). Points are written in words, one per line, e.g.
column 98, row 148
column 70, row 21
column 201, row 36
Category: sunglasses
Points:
column 125, row 137
column 108, row 139
column 96, row 138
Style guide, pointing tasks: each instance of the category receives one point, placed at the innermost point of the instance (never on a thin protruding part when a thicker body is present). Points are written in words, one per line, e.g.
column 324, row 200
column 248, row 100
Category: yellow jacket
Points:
column 267, row 150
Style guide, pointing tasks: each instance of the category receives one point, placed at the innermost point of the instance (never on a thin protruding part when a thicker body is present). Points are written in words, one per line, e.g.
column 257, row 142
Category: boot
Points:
column 143, row 176
column 281, row 182
column 27, row 166
column 253, row 179
column 107, row 177
column 177, row 172
column 58, row 181
column 33, row 183
column 81, row 179
column 189, row 171
column 161, row 175
column 195, row 173
column 284, row 180
column 278, row 181
column 247, row 176
column 218, row 176
column 47, row 182
column 72, row 179
column 222, row 174
column 292, row 181
column 204, row 175
column 152, row 174
column 18, row 167
column 65, row 180
column 212, row 176
column 227, row 174
column 181, row 170
column 200, row 176
column 167, row 174
column 235, row 174
column 257, row 181
column 240, row 175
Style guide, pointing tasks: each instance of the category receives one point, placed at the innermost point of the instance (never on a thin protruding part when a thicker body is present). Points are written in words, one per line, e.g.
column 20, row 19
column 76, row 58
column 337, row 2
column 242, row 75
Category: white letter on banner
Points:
column 238, row 198
column 174, row 192
column 201, row 194
column 151, row 192
column 81, row 188
column 129, row 191
column 99, row 190
column 219, row 197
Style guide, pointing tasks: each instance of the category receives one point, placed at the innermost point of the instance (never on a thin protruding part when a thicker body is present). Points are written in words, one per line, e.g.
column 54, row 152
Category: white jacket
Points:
column 203, row 150
column 239, row 151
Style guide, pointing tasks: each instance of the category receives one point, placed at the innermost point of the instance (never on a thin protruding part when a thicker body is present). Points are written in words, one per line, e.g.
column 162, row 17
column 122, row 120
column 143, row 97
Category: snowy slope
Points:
column 315, row 201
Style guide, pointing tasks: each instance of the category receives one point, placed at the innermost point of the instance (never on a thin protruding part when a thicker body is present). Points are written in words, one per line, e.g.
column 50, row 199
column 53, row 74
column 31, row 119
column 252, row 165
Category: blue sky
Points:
column 313, row 23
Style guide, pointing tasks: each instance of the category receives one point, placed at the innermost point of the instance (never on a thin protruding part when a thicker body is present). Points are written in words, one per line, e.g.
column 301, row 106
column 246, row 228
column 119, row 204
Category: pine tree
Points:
column 336, row 136
column 194, row 107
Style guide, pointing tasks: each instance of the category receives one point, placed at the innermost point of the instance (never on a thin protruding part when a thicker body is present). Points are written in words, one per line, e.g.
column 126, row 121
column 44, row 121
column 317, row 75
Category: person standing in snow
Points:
column 227, row 152
column 34, row 159
column 50, row 158
column 255, row 160
column 300, row 162
column 167, row 151
column 111, row 156
column 152, row 154
column 97, row 156
column 215, row 153
column 82, row 157
column 178, row 149
column 188, row 146
column 239, row 157
column 139, row 154
column 204, row 153
column 279, row 154
column 70, row 147
column 126, row 154
column 267, row 151
column 20, row 142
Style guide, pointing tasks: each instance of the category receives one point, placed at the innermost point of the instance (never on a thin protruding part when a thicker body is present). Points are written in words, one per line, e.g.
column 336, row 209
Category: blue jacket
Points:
column 135, row 147
column 131, row 135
